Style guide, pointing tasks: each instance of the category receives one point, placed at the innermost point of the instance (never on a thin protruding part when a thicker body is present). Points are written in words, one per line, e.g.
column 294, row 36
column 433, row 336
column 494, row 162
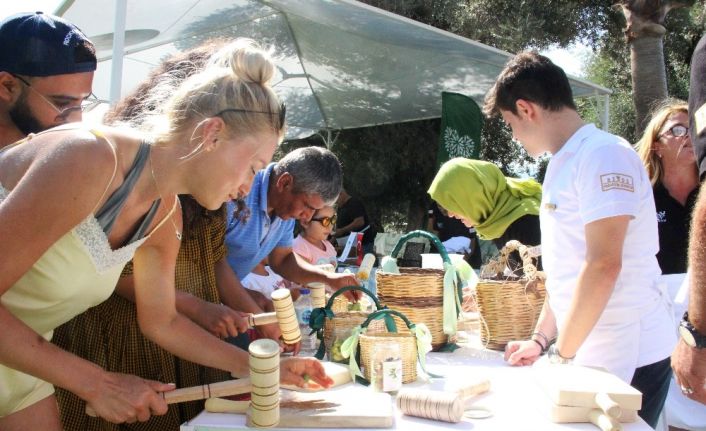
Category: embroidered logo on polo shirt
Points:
column 617, row 181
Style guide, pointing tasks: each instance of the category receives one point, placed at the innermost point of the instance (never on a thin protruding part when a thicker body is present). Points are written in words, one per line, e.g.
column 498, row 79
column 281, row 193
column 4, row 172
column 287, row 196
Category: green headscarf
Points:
column 480, row 192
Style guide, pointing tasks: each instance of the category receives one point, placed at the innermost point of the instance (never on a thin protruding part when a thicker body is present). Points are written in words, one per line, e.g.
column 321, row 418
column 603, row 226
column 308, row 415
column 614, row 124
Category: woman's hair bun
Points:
column 248, row 61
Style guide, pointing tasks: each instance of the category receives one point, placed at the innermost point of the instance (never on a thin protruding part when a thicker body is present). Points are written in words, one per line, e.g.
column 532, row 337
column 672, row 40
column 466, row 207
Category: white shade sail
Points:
column 342, row 64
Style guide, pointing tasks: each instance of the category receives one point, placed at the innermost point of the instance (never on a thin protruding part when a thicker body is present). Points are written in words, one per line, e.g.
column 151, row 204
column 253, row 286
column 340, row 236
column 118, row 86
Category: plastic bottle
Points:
column 302, row 307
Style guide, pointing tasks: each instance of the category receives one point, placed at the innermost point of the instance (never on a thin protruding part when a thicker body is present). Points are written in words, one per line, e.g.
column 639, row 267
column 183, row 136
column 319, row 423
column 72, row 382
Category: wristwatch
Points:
column 689, row 334
column 555, row 357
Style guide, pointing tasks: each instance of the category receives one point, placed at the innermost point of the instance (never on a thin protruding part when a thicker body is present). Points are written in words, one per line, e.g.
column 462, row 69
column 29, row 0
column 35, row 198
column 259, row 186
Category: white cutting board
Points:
column 574, row 385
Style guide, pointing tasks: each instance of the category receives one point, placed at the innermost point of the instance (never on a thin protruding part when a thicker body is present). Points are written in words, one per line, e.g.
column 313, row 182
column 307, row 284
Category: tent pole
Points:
column 116, row 72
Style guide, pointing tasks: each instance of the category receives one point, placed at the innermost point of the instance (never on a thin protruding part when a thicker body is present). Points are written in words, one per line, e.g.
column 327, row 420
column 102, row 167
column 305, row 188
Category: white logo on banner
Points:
column 457, row 145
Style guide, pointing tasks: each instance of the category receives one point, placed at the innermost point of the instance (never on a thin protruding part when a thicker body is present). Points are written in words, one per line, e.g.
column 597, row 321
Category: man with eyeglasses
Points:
column 46, row 74
column 302, row 182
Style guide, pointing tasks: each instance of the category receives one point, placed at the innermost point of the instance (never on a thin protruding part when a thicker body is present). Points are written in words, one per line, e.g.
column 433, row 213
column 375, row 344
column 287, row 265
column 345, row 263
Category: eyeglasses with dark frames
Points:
column 677, row 130
column 282, row 113
column 88, row 103
column 325, row 221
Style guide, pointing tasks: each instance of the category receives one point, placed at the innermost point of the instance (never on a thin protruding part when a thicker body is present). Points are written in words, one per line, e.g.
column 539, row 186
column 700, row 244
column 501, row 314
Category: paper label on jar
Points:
column 392, row 376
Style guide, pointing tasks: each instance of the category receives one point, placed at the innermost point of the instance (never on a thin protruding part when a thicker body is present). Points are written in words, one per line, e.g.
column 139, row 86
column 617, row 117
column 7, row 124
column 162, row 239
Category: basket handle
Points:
column 497, row 266
column 342, row 290
column 423, row 234
column 385, row 313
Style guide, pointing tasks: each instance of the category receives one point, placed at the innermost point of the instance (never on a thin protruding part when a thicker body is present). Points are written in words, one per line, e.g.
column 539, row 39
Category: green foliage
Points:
column 391, row 167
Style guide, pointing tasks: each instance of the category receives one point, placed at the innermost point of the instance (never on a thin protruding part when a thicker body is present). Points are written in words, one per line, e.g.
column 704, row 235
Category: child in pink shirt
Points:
column 311, row 244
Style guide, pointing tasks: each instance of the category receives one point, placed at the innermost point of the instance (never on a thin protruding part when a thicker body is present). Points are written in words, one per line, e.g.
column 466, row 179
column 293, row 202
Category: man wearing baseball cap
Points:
column 46, row 74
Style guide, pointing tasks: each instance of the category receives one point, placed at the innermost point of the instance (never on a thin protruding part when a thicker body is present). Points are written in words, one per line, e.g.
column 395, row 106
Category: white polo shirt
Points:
column 596, row 175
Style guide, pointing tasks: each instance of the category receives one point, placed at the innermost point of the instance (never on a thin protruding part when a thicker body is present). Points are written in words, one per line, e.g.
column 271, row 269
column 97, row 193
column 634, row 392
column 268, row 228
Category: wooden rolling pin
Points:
column 438, row 405
column 608, row 405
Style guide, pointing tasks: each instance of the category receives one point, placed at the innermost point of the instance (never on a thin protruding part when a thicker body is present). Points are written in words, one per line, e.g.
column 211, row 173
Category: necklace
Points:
column 156, row 186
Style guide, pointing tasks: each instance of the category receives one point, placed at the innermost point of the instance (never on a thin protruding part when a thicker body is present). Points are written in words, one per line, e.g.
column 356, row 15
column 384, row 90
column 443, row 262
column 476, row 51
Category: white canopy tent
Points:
column 342, row 64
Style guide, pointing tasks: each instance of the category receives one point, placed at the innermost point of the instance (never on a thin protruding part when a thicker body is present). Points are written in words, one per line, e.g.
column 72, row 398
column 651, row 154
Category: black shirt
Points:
column 448, row 227
column 673, row 221
column 349, row 211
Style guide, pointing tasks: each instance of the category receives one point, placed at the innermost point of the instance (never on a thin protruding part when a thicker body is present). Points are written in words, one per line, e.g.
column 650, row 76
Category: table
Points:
column 515, row 398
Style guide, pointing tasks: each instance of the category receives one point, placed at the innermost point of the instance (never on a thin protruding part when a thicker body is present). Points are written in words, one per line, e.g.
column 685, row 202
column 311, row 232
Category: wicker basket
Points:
column 417, row 292
column 338, row 324
column 407, row 342
column 509, row 306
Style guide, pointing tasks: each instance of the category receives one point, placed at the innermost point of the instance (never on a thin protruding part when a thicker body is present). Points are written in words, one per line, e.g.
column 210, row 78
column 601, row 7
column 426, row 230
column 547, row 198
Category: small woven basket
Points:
column 509, row 306
column 407, row 342
column 417, row 292
column 341, row 324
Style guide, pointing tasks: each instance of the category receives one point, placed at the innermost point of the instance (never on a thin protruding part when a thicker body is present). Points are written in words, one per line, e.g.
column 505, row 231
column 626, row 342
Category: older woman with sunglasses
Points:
column 312, row 243
column 668, row 156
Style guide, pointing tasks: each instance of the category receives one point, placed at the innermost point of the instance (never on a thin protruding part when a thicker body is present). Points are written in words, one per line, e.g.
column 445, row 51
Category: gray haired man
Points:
column 304, row 181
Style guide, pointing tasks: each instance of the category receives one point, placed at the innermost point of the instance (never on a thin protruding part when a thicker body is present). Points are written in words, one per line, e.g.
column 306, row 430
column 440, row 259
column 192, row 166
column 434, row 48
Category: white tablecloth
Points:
column 515, row 399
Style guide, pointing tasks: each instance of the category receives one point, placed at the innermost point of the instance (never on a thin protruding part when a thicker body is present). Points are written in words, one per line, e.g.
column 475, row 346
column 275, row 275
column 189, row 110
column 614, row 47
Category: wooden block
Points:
column 573, row 385
column 568, row 414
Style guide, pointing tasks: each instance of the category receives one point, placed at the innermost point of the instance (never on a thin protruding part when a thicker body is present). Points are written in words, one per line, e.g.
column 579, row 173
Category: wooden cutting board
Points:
column 577, row 386
column 352, row 406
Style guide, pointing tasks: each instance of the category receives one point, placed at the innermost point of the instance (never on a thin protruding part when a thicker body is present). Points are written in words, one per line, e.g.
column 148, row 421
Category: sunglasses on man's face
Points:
column 325, row 221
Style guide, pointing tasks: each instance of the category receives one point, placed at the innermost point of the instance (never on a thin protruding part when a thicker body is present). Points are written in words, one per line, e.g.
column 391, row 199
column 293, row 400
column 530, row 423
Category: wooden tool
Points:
column 353, row 406
column 286, row 317
column 447, row 406
column 339, row 374
column 586, row 394
column 264, row 375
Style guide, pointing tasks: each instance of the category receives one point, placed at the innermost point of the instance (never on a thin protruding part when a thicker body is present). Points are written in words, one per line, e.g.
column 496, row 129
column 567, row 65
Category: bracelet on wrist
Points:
column 555, row 356
column 542, row 349
column 544, row 337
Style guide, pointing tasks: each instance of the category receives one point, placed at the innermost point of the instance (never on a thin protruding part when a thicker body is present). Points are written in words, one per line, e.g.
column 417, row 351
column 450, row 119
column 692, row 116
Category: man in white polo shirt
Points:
column 599, row 237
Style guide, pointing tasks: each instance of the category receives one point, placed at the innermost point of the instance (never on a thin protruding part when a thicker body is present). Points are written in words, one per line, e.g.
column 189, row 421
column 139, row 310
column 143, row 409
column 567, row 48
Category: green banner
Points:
column 461, row 125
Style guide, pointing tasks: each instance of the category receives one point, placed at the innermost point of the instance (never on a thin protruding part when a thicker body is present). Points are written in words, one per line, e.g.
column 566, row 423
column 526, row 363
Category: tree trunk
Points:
column 649, row 77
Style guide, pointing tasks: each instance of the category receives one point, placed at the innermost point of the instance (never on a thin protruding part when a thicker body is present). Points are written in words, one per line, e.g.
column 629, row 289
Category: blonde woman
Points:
column 77, row 204
column 668, row 156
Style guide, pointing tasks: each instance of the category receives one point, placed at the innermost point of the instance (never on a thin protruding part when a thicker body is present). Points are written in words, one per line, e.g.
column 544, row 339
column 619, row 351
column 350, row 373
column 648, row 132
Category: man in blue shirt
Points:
column 304, row 181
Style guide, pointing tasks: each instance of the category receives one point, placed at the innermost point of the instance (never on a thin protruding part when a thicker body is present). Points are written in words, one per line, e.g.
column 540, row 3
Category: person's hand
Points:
column 299, row 371
column 273, row 332
column 221, row 320
column 126, row 398
column 343, row 279
column 689, row 365
column 522, row 352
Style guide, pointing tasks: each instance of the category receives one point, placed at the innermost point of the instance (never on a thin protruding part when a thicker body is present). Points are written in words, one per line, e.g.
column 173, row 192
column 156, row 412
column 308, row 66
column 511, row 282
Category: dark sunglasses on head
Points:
column 678, row 131
column 282, row 113
column 325, row 221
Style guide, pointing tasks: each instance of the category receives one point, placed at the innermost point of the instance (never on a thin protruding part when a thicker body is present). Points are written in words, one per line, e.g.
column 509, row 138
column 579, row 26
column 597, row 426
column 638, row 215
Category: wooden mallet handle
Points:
column 202, row 392
column 262, row 319
column 603, row 421
column 608, row 405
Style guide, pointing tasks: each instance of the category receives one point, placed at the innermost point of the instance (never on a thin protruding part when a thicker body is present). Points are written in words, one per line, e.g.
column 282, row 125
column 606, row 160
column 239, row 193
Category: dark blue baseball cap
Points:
column 38, row 44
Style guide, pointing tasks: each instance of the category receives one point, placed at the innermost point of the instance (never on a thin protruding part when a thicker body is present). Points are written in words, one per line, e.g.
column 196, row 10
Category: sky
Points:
column 570, row 59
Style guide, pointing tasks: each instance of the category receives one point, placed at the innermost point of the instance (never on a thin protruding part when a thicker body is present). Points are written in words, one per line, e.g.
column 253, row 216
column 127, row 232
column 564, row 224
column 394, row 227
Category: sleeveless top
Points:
column 78, row 271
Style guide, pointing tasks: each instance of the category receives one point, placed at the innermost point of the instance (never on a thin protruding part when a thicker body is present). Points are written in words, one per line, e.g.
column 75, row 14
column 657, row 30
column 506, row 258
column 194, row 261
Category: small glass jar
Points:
column 340, row 334
column 386, row 367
